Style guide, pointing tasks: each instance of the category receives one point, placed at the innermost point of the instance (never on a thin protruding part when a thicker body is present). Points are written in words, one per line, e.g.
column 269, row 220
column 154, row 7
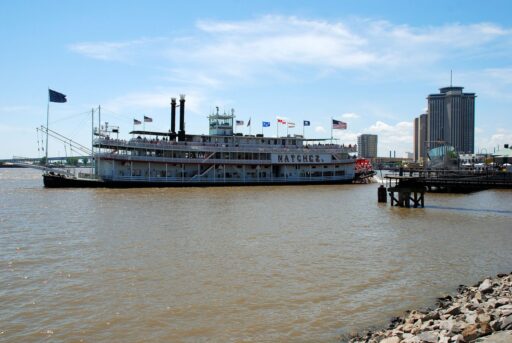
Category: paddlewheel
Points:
column 363, row 170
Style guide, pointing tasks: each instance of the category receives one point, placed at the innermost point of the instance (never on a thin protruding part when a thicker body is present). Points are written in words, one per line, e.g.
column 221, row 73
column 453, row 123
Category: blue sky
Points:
column 369, row 63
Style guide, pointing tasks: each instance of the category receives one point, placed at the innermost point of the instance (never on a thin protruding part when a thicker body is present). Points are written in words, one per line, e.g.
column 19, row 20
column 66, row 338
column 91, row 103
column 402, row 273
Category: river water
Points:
column 240, row 264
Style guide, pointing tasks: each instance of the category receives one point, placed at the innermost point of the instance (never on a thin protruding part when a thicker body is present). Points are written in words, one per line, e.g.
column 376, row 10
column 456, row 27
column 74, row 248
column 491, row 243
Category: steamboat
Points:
column 221, row 158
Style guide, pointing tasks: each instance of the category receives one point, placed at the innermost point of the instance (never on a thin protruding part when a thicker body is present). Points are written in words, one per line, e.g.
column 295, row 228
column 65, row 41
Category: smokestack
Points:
column 181, row 133
column 173, row 116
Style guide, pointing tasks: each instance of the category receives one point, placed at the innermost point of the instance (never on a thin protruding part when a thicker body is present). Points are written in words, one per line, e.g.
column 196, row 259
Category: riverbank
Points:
column 481, row 313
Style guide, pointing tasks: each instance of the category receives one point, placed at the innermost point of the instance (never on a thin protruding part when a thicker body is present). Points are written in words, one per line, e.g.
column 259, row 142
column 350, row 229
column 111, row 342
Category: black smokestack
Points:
column 173, row 116
column 181, row 133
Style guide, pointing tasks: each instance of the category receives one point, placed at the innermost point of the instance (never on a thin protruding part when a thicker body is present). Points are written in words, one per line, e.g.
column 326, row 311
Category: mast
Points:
column 47, row 121
column 99, row 142
column 92, row 139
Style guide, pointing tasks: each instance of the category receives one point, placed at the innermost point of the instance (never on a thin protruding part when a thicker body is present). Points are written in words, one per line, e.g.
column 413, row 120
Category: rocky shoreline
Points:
column 481, row 313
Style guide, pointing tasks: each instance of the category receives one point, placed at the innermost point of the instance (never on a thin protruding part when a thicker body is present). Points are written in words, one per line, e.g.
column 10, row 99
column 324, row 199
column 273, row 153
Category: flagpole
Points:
column 99, row 140
column 249, row 126
column 277, row 128
column 331, row 129
column 303, row 128
column 47, row 123
column 92, row 139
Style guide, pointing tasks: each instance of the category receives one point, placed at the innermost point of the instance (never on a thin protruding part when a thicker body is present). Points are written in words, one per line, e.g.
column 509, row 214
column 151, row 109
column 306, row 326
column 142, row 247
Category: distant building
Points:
column 451, row 119
column 420, row 137
column 367, row 146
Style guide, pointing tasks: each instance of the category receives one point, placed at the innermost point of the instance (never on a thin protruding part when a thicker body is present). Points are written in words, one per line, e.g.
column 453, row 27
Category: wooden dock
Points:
column 409, row 191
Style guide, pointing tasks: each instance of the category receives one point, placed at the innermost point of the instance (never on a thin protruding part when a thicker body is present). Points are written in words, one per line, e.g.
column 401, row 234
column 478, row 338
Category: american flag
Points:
column 136, row 122
column 338, row 125
column 239, row 122
column 290, row 124
column 147, row 119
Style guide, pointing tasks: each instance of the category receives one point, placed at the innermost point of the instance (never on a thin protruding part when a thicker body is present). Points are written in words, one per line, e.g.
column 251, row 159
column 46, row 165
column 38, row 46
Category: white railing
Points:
column 195, row 179
column 216, row 147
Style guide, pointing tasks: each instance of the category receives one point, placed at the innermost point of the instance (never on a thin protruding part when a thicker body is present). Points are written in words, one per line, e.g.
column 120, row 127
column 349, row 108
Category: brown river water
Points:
column 240, row 264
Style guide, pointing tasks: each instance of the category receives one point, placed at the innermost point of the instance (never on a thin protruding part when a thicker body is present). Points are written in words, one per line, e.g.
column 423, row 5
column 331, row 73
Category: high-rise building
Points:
column 367, row 146
column 451, row 119
column 420, row 137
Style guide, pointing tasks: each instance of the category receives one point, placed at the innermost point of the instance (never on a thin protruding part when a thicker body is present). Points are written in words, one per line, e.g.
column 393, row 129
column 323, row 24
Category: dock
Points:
column 409, row 191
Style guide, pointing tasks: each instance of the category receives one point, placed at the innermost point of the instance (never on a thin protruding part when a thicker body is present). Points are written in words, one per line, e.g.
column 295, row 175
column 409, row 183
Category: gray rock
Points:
column 391, row 340
column 485, row 286
column 483, row 318
column 506, row 323
column 428, row 336
column 457, row 338
column 497, row 337
column 453, row 310
column 505, row 310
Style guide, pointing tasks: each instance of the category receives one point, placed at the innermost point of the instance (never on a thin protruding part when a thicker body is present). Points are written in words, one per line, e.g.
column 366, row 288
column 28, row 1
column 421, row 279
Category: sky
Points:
column 369, row 63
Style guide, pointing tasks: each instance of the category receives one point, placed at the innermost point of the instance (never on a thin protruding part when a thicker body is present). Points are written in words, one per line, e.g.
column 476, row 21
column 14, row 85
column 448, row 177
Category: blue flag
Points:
column 266, row 124
column 306, row 123
column 56, row 96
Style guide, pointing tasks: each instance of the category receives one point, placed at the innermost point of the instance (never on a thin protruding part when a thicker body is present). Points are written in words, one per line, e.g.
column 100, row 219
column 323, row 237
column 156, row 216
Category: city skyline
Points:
column 366, row 63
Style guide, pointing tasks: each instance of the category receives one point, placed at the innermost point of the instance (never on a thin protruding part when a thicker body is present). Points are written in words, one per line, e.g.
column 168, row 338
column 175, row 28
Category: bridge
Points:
column 33, row 162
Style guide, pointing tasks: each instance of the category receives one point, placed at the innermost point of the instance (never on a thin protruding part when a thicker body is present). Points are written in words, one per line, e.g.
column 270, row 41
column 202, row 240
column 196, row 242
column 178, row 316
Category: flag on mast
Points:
column 148, row 119
column 239, row 123
column 307, row 123
column 338, row 125
column 54, row 96
column 136, row 122
column 249, row 122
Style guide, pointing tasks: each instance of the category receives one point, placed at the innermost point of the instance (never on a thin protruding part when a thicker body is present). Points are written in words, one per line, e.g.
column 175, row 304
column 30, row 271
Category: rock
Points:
column 428, row 336
column 502, row 302
column 457, row 338
column 470, row 318
column 446, row 325
column 407, row 327
column 484, row 329
column 483, row 318
column 413, row 339
column 470, row 332
column 497, row 337
column 391, row 340
column 506, row 323
column 453, row 310
column 426, row 324
column 485, row 286
column 505, row 310
column 432, row 315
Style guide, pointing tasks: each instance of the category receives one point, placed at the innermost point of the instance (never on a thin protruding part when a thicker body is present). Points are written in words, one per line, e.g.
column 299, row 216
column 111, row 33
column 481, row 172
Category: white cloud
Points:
column 397, row 137
column 350, row 115
column 497, row 139
column 115, row 51
column 320, row 129
column 158, row 99
column 235, row 51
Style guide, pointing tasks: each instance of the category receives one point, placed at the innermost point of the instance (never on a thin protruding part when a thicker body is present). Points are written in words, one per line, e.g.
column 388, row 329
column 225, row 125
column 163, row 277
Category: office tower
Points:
column 451, row 119
column 367, row 146
column 420, row 137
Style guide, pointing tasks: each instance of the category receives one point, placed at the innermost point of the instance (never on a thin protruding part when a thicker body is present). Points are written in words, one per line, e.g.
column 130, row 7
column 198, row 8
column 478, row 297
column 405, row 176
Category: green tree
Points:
column 72, row 161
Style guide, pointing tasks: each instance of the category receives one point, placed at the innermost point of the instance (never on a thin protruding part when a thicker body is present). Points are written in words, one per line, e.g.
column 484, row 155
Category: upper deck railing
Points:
column 216, row 147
